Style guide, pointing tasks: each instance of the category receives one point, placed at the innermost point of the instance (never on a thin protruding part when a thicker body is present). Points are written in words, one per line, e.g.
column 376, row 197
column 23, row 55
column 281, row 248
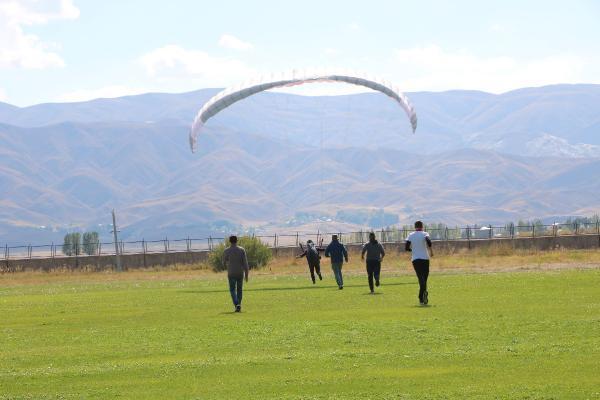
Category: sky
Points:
column 75, row 50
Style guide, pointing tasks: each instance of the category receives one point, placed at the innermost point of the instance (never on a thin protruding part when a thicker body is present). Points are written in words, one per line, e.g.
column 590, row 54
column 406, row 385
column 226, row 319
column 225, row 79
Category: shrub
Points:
column 258, row 253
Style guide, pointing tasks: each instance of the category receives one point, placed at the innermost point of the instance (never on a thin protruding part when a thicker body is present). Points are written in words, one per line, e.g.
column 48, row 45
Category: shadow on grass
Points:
column 270, row 289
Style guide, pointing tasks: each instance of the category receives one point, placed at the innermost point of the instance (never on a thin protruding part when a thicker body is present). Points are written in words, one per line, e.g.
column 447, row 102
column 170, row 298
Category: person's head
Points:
column 372, row 238
column 419, row 225
column 309, row 242
column 334, row 238
column 233, row 239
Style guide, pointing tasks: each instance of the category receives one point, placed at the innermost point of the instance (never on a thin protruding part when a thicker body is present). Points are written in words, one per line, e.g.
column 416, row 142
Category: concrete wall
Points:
column 137, row 261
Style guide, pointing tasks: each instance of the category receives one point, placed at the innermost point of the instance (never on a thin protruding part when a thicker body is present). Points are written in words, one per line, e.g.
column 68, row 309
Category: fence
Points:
column 167, row 245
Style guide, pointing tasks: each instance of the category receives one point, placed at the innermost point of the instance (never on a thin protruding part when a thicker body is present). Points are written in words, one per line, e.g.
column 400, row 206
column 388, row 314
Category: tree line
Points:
column 75, row 243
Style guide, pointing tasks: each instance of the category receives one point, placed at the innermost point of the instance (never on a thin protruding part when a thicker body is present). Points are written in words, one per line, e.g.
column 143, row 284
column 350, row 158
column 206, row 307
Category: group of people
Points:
column 418, row 243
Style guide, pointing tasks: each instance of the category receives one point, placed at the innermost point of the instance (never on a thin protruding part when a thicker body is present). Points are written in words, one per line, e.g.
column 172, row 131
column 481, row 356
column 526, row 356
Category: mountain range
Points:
column 278, row 161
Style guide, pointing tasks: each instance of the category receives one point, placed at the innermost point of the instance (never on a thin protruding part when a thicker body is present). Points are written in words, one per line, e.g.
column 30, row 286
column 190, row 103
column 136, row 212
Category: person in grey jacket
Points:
column 338, row 254
column 234, row 258
column 375, row 253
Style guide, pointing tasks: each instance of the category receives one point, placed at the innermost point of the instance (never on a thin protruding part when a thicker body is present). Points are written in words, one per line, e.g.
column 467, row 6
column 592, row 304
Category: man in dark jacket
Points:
column 313, row 258
column 338, row 254
column 375, row 254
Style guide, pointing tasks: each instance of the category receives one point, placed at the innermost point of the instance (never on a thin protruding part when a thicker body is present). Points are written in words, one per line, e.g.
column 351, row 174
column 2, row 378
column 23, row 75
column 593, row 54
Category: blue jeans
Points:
column 337, row 272
column 235, row 288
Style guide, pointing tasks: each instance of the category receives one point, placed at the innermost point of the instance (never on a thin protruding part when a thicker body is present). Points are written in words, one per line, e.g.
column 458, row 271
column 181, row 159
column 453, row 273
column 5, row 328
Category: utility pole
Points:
column 114, row 231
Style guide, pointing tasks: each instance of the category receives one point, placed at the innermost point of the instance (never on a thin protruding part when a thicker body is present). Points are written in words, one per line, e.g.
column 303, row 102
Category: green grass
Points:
column 512, row 335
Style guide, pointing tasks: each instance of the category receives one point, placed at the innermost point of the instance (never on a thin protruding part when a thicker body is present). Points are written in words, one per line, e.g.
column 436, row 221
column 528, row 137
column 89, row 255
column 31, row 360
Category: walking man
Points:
column 234, row 258
column 338, row 254
column 375, row 253
column 313, row 258
column 420, row 244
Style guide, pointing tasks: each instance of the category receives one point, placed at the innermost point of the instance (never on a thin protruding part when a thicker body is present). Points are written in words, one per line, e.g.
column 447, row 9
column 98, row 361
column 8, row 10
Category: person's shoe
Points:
column 238, row 308
column 320, row 277
column 314, row 281
column 377, row 282
column 341, row 287
column 425, row 299
column 372, row 292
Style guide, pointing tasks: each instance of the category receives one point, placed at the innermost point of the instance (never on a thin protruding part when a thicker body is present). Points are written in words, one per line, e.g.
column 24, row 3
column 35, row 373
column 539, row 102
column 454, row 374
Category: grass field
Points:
column 172, row 335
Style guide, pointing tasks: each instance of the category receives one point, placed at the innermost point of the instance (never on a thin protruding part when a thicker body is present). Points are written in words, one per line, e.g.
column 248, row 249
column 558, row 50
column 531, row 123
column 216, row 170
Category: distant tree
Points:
column 90, row 243
column 72, row 244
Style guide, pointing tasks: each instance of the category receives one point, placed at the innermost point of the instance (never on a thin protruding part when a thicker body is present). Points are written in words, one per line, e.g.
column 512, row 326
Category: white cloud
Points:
column 231, row 42
column 21, row 50
column 3, row 96
column 106, row 92
column 174, row 62
column 432, row 68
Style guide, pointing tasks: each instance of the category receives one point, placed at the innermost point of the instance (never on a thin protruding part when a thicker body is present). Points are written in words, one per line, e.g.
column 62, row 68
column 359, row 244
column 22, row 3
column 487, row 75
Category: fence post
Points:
column 6, row 251
column 187, row 244
column 29, row 251
column 166, row 245
column 297, row 240
column 490, row 231
column 533, row 230
column 99, row 248
column 469, row 236
column 576, row 228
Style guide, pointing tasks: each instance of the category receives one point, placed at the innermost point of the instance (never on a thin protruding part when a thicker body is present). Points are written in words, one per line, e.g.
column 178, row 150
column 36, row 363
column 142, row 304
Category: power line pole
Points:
column 117, row 255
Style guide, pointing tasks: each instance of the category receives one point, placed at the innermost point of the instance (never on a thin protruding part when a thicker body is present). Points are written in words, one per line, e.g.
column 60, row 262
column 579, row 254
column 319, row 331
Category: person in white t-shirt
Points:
column 419, row 243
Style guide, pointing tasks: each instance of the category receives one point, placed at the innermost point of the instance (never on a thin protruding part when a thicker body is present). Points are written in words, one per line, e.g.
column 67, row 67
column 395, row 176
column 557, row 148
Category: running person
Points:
column 375, row 254
column 418, row 242
column 338, row 254
column 314, row 260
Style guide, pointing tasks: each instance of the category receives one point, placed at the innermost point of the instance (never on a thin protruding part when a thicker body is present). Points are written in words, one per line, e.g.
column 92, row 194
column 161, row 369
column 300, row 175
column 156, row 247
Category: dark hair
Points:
column 372, row 238
column 419, row 225
column 232, row 239
column 334, row 237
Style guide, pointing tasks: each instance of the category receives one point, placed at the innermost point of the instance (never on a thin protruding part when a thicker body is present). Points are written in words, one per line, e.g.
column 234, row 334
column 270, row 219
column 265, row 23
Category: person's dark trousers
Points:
column 235, row 288
column 373, row 270
column 337, row 272
column 314, row 267
column 422, row 269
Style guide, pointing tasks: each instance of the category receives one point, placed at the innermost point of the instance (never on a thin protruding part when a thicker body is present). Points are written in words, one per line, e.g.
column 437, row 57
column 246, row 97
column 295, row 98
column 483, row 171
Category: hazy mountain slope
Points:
column 558, row 120
column 273, row 155
column 74, row 174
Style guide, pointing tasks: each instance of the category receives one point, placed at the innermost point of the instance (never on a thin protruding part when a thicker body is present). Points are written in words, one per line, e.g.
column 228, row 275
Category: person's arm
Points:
column 362, row 253
column 301, row 255
column 225, row 258
column 327, row 250
column 382, row 251
column 345, row 252
column 246, row 267
column 407, row 246
column 429, row 244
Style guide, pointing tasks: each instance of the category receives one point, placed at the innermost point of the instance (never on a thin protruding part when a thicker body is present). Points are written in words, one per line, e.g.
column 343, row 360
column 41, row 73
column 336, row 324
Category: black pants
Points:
column 314, row 267
column 422, row 269
column 373, row 269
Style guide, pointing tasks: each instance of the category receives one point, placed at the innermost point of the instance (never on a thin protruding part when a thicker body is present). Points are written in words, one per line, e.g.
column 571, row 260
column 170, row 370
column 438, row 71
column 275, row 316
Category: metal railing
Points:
column 190, row 244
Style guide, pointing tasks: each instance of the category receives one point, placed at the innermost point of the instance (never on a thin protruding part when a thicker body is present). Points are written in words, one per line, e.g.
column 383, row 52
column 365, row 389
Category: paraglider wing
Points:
column 229, row 96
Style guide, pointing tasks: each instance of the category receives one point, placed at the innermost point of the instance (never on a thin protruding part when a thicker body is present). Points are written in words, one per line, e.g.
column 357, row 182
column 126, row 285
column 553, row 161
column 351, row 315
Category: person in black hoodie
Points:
column 311, row 252
column 375, row 253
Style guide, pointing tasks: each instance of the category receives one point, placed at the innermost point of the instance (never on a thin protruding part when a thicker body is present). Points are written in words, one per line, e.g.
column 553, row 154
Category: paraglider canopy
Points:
column 229, row 96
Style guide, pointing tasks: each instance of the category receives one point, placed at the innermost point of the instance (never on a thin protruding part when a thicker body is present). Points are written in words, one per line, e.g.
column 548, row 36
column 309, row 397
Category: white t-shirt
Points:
column 418, row 244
